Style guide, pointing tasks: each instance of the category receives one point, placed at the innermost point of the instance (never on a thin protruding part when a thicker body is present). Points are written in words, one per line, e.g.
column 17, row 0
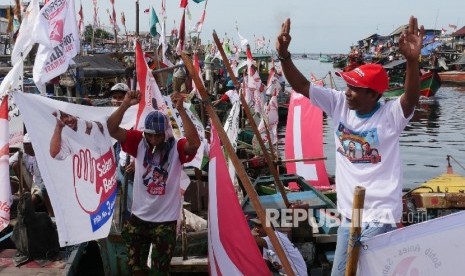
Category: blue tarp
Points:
column 426, row 51
column 428, row 38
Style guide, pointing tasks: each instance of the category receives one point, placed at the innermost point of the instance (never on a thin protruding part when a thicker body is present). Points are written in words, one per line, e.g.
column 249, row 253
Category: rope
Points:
column 458, row 163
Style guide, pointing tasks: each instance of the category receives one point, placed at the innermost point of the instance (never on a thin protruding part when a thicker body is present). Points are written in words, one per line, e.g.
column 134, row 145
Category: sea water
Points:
column 436, row 130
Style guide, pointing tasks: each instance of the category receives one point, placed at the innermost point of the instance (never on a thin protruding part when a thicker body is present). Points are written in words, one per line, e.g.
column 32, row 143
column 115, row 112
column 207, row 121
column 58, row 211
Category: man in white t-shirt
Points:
column 156, row 206
column 359, row 118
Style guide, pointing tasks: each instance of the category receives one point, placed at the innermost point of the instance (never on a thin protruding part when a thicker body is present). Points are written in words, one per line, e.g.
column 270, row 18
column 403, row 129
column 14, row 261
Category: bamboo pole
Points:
column 241, row 173
column 252, row 123
column 354, row 246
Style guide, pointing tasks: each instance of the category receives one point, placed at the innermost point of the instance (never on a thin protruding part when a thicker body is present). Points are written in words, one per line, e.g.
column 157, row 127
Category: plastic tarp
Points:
column 430, row 47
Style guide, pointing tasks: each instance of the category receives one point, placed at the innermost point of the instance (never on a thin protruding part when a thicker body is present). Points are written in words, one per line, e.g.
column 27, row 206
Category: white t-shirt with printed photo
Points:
column 367, row 154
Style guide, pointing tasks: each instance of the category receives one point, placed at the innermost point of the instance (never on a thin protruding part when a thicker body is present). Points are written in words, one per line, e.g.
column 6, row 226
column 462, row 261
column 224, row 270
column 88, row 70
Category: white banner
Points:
column 435, row 247
column 57, row 33
column 75, row 156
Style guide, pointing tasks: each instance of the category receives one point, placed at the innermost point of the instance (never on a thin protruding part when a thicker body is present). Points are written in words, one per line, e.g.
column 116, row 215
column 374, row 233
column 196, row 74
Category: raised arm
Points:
column 410, row 44
column 298, row 82
column 190, row 132
column 55, row 141
column 113, row 122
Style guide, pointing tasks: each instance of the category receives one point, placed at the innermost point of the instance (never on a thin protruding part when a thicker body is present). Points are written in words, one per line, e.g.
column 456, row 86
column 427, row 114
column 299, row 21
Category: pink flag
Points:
column 150, row 95
column 5, row 189
column 303, row 113
column 231, row 248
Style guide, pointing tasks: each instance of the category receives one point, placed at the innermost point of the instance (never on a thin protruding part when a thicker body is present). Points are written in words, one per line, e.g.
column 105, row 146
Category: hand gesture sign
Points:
column 132, row 97
column 178, row 100
column 85, row 180
column 411, row 40
column 284, row 39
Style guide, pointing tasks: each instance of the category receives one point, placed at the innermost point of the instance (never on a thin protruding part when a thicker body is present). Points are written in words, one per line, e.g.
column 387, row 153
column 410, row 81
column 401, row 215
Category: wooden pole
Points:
column 354, row 246
column 252, row 123
column 241, row 173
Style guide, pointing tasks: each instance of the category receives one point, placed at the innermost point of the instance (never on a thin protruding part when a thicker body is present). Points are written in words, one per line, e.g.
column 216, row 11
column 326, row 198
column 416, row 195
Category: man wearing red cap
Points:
column 359, row 118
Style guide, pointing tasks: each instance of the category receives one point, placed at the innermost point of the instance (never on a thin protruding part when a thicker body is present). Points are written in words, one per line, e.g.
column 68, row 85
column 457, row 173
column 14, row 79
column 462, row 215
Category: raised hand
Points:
column 284, row 39
column 132, row 97
column 178, row 100
column 85, row 181
column 411, row 40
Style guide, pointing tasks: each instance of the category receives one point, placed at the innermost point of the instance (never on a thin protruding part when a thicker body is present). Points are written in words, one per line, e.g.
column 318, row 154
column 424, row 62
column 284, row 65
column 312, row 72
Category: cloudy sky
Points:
column 317, row 26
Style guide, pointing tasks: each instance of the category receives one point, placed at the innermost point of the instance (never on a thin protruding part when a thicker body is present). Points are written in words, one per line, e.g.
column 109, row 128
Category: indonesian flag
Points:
column 150, row 95
column 56, row 31
column 182, row 33
column 304, row 122
column 231, row 248
column 5, row 189
column 273, row 85
column 269, row 120
column 254, row 84
column 24, row 41
column 197, row 69
column 198, row 26
column 113, row 16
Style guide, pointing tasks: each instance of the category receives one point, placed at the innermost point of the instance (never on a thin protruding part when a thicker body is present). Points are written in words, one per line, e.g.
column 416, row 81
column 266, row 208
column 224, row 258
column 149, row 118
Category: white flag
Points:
column 57, row 32
column 24, row 41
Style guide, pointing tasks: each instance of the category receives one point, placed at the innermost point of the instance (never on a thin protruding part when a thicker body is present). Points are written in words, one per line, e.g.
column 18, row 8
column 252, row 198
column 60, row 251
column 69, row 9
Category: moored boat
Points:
column 453, row 77
column 439, row 196
column 430, row 83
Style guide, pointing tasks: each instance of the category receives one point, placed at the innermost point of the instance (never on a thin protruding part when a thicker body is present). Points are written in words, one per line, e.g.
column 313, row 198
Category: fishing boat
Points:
column 325, row 59
column 452, row 77
column 430, row 83
column 439, row 196
column 314, row 237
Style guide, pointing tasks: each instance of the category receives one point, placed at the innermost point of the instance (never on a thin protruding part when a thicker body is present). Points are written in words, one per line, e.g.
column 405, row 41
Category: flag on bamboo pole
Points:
column 5, row 188
column 198, row 26
column 113, row 16
column 57, row 33
column 163, row 9
column 254, row 84
column 24, row 41
column 164, row 46
column 96, row 21
column 196, row 64
column 182, row 34
column 232, row 249
column 153, row 23
column 183, row 4
column 301, row 112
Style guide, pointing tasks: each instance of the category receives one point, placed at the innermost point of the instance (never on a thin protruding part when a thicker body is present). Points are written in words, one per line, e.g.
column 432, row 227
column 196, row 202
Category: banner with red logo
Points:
column 304, row 139
column 434, row 247
column 75, row 157
column 231, row 248
column 57, row 33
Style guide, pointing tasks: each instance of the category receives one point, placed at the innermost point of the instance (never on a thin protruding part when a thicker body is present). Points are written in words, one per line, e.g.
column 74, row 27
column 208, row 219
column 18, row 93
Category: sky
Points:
column 316, row 26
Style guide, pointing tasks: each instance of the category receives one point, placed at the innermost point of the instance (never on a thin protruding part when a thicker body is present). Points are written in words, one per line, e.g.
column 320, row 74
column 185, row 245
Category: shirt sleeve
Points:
column 224, row 98
column 133, row 138
column 325, row 98
column 183, row 157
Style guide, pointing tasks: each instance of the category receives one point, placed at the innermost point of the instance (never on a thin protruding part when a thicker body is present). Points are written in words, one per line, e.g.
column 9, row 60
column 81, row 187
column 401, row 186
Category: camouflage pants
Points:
column 139, row 234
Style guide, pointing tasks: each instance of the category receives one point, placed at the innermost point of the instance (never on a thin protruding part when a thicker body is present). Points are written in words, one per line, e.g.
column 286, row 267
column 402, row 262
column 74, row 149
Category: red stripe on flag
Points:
column 230, row 239
column 141, row 70
column 4, row 108
column 301, row 110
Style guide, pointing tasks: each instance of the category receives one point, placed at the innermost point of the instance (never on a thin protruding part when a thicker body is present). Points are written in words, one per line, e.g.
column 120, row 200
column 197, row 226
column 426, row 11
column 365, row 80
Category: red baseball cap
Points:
column 371, row 75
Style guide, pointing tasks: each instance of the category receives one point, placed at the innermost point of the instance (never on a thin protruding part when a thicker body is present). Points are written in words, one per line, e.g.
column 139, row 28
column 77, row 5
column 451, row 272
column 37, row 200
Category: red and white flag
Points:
column 57, row 33
column 183, row 4
column 197, row 69
column 198, row 26
column 96, row 21
column 5, row 189
column 182, row 34
column 302, row 112
column 150, row 95
column 231, row 248
column 254, row 84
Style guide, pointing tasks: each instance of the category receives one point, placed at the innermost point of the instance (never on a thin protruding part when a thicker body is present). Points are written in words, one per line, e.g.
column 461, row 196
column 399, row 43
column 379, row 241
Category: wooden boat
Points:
column 430, row 83
column 442, row 195
column 453, row 77
column 314, row 237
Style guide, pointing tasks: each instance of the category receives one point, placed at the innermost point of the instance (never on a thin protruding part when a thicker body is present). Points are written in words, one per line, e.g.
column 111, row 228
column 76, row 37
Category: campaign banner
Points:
column 434, row 247
column 75, row 155
column 5, row 188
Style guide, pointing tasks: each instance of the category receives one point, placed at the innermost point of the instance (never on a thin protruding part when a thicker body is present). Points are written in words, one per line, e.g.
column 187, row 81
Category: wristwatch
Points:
column 284, row 58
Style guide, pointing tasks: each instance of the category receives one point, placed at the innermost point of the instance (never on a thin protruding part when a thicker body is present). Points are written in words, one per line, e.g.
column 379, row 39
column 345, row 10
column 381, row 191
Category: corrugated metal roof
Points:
column 100, row 66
